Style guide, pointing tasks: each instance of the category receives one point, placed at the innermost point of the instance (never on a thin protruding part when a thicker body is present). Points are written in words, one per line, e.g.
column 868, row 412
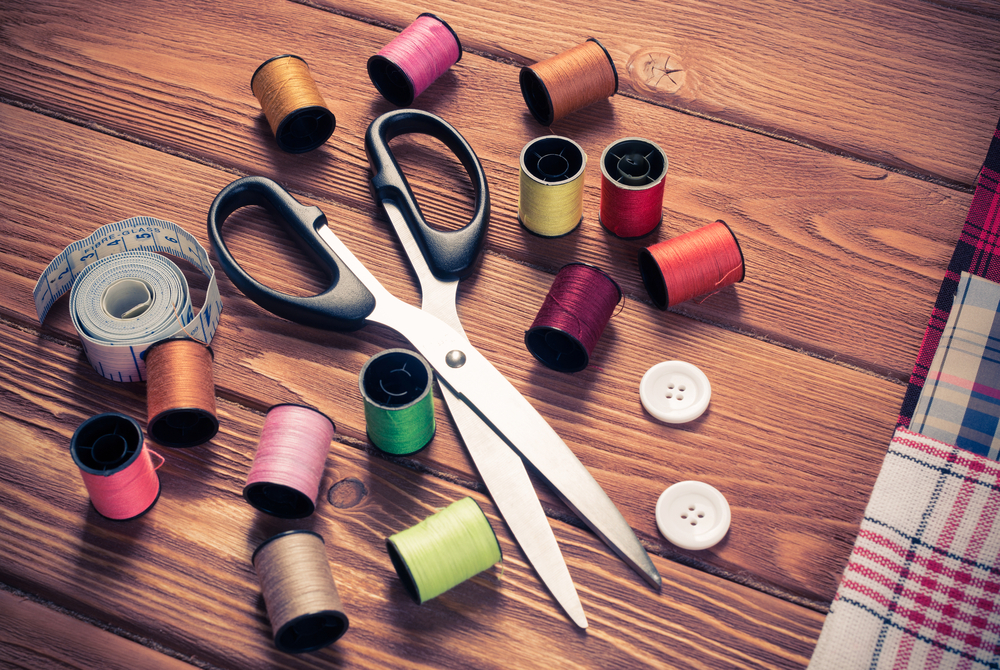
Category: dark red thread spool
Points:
column 572, row 317
column 633, row 171
column 696, row 263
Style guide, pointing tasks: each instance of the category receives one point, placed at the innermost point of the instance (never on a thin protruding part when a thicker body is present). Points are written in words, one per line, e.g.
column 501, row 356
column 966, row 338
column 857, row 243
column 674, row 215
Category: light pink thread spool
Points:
column 407, row 65
column 288, row 466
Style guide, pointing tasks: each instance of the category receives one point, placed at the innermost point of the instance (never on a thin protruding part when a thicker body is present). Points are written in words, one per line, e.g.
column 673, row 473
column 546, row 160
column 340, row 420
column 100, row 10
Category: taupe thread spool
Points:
column 299, row 592
column 297, row 113
column 567, row 82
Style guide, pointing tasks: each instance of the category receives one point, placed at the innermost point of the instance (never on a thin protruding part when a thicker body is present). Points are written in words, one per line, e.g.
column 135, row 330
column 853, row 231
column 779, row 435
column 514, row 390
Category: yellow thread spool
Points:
column 294, row 108
column 552, row 177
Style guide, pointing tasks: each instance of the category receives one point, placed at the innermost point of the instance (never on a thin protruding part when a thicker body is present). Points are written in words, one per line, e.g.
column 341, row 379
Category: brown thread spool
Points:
column 572, row 80
column 299, row 592
column 180, row 393
column 299, row 118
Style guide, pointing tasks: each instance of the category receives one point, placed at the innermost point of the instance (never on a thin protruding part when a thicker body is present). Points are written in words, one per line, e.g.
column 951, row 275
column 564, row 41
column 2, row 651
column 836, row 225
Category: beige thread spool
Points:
column 551, row 181
column 567, row 82
column 299, row 592
column 297, row 113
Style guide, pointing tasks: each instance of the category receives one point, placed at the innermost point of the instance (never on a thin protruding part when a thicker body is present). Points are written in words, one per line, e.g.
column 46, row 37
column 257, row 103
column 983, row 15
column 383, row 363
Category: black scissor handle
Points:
column 342, row 306
column 450, row 254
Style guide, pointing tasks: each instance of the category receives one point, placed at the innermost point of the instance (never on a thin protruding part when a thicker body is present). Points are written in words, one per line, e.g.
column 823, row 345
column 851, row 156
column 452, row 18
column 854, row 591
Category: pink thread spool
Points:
column 407, row 65
column 288, row 466
column 572, row 318
column 115, row 466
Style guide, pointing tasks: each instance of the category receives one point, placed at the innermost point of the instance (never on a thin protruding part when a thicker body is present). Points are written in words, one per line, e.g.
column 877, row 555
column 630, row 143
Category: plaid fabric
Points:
column 921, row 587
column 960, row 401
column 977, row 253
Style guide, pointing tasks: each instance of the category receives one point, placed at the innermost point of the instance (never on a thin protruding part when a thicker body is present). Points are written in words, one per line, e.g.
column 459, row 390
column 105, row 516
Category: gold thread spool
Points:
column 551, row 185
column 572, row 80
column 299, row 118
column 180, row 393
column 299, row 592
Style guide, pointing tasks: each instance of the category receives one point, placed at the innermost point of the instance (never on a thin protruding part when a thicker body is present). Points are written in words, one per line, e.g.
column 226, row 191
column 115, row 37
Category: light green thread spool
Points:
column 444, row 550
column 399, row 405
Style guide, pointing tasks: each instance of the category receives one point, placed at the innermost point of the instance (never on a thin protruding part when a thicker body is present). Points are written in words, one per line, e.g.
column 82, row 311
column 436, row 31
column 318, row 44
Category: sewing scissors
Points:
column 492, row 416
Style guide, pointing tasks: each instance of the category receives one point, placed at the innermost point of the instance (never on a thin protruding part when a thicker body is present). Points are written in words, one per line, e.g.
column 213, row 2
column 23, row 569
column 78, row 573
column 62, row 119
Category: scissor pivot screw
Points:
column 455, row 358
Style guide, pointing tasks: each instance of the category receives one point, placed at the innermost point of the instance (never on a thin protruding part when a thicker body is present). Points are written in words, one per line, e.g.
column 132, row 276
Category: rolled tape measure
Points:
column 126, row 297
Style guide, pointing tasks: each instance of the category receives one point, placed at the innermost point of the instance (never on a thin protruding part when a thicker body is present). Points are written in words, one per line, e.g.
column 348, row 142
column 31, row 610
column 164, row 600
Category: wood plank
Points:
column 36, row 637
column 914, row 81
column 794, row 442
column 817, row 230
column 181, row 576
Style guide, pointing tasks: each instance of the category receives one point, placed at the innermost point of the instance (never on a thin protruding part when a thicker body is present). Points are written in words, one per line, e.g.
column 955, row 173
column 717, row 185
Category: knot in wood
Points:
column 655, row 71
column 347, row 493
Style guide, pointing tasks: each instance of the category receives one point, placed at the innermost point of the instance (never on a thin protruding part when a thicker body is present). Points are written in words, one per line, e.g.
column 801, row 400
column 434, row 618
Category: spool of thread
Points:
column 574, row 79
column 396, row 385
column 299, row 592
column 570, row 322
column 552, row 176
column 444, row 550
column 116, row 466
column 407, row 65
column 696, row 263
column 295, row 110
column 180, row 393
column 288, row 465
column 632, row 176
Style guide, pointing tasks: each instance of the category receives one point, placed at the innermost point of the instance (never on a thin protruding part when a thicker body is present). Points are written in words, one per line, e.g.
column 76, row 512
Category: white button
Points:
column 675, row 391
column 693, row 515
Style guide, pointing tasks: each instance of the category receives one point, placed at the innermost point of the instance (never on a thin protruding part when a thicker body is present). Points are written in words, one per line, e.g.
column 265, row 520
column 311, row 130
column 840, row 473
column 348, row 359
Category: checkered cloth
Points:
column 921, row 587
column 960, row 401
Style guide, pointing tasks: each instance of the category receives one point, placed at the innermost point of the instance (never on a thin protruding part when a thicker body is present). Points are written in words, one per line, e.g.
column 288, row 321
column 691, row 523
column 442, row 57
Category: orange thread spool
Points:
column 696, row 263
column 180, row 393
column 295, row 110
column 574, row 79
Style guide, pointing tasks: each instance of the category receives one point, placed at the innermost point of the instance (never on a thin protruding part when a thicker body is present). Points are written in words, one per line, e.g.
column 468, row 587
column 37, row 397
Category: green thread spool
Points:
column 399, row 404
column 444, row 550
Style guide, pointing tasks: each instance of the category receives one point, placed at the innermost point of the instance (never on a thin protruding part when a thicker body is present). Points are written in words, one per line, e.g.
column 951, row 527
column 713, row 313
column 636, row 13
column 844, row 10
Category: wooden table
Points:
column 839, row 143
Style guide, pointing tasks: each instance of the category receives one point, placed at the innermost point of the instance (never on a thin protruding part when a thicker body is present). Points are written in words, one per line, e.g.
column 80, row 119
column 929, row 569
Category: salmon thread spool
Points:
column 299, row 592
column 415, row 59
column 288, row 466
column 116, row 466
column 397, row 389
column 633, row 171
column 572, row 80
column 180, row 393
column 697, row 263
column 572, row 318
column 295, row 110
column 551, row 185
column 444, row 550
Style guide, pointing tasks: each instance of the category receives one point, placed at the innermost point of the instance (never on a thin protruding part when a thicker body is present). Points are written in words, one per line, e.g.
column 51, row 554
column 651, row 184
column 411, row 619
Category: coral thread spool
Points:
column 396, row 386
column 551, row 185
column 696, row 263
column 444, row 550
column 572, row 80
column 180, row 393
column 289, row 463
column 115, row 466
column 295, row 110
column 299, row 592
column 573, row 317
column 633, row 171
column 406, row 66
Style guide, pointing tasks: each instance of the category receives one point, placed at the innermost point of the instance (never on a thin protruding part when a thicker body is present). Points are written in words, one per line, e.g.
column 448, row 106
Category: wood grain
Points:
column 181, row 574
column 817, row 229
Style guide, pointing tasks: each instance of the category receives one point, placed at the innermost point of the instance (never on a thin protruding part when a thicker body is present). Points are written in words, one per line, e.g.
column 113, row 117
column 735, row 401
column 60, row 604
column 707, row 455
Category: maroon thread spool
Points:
column 632, row 174
column 572, row 318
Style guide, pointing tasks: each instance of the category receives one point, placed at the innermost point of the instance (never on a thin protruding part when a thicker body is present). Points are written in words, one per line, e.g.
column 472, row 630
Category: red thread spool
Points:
column 572, row 318
column 115, row 466
column 288, row 466
column 632, row 175
column 407, row 65
column 696, row 263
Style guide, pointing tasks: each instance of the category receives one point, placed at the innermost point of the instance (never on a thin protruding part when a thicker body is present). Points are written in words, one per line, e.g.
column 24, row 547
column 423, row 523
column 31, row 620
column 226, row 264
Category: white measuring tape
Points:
column 125, row 297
